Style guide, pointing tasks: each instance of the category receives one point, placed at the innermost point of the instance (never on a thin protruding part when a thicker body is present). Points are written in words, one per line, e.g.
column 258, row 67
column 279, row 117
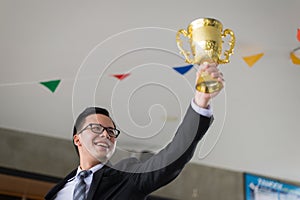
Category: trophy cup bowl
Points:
column 205, row 36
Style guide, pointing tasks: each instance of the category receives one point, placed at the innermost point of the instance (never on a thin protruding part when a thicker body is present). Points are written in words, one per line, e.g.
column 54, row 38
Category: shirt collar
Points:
column 93, row 170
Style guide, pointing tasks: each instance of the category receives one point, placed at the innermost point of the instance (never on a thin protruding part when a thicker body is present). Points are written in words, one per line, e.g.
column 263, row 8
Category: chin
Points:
column 110, row 154
column 104, row 157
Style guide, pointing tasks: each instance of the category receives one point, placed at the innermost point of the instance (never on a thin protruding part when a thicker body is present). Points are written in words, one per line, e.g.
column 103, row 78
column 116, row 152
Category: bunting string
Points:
column 250, row 60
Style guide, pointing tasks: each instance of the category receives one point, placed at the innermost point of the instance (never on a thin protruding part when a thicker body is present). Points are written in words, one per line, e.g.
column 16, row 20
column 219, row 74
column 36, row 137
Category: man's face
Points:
column 99, row 146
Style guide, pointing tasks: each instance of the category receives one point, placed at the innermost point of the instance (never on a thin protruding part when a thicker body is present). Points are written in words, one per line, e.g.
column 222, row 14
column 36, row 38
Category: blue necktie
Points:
column 80, row 187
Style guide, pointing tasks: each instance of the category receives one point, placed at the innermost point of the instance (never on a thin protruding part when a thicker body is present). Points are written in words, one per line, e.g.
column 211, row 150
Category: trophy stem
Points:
column 207, row 84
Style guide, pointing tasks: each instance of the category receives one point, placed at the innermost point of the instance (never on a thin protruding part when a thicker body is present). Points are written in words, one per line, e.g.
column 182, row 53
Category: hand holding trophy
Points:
column 205, row 37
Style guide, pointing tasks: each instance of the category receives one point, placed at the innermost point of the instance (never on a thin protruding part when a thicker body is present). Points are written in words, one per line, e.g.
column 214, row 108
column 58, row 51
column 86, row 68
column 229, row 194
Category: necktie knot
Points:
column 84, row 173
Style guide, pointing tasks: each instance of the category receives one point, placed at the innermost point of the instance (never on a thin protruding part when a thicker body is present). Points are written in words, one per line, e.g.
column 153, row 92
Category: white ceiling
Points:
column 83, row 43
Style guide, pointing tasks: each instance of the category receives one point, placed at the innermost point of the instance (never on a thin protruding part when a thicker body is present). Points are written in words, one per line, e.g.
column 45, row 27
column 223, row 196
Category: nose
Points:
column 105, row 134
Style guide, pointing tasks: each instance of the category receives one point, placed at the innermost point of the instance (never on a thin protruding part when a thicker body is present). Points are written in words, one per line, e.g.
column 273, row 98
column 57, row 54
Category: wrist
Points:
column 202, row 102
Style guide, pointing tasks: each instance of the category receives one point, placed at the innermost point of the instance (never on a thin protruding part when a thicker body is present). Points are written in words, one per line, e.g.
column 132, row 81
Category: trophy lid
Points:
column 206, row 22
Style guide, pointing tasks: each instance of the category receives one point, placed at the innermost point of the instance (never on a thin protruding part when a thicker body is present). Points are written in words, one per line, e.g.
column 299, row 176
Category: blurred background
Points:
column 58, row 57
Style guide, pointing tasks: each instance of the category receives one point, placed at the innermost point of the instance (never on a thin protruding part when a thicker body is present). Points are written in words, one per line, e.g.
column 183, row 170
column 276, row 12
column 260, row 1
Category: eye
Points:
column 97, row 129
column 111, row 131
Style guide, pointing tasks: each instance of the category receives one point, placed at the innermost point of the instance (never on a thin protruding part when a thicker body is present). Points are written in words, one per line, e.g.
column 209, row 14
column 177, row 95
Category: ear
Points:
column 76, row 140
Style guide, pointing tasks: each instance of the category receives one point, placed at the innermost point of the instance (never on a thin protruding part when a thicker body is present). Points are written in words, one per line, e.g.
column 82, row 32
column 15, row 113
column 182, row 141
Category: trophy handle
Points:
column 179, row 44
column 228, row 52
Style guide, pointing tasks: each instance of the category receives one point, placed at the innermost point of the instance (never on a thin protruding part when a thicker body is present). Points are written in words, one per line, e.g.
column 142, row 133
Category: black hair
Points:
column 82, row 116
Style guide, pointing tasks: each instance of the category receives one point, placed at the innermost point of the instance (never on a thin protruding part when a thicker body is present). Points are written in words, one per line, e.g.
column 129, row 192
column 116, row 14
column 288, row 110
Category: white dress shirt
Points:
column 66, row 193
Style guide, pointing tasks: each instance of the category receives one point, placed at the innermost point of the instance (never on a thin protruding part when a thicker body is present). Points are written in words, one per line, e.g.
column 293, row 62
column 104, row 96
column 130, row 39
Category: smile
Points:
column 101, row 144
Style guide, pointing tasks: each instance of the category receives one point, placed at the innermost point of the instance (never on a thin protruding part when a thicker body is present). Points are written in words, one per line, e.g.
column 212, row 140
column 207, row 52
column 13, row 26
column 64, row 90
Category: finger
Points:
column 213, row 64
column 213, row 70
column 204, row 67
column 207, row 64
column 217, row 75
column 221, row 79
column 209, row 68
column 214, row 75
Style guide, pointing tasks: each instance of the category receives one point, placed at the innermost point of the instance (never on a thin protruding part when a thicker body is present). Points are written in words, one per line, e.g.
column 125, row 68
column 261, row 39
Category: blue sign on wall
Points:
column 261, row 188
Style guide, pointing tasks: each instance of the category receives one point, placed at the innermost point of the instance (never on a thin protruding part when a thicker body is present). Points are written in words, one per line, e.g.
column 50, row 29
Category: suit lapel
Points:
column 95, row 182
column 52, row 193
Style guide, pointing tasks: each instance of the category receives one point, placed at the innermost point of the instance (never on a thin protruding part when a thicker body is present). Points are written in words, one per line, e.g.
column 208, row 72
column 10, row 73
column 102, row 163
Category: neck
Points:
column 88, row 161
column 88, row 165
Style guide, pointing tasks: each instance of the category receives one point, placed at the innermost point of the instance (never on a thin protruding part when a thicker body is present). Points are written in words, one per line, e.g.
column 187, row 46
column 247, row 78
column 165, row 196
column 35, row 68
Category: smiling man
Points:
column 96, row 139
column 95, row 135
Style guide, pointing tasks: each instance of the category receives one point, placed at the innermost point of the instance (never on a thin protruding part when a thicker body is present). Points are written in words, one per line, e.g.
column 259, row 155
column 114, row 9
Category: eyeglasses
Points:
column 99, row 129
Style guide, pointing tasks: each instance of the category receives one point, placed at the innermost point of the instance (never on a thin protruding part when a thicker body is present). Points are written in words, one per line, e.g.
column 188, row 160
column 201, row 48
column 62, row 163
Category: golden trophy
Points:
column 205, row 36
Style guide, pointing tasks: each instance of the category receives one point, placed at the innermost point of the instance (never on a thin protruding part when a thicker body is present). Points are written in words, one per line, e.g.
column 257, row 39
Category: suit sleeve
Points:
column 165, row 166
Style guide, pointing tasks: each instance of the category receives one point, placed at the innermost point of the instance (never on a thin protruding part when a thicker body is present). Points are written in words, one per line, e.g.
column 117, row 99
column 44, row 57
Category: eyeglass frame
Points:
column 107, row 129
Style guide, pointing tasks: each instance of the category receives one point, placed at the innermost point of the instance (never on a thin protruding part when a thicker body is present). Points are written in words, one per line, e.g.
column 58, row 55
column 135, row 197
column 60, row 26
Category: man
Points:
column 95, row 136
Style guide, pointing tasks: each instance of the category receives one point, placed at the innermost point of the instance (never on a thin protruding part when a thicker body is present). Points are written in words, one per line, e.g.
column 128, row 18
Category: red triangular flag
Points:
column 121, row 76
column 298, row 35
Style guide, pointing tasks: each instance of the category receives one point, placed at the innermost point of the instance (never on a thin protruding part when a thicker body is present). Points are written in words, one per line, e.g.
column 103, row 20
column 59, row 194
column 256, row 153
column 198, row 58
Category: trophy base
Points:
column 208, row 85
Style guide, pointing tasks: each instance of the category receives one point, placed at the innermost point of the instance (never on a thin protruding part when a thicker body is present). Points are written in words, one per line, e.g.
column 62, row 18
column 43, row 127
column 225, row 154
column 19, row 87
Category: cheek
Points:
column 114, row 143
column 87, row 139
column 113, row 140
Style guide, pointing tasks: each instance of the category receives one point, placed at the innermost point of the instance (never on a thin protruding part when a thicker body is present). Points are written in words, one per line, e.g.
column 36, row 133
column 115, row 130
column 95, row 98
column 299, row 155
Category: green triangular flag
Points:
column 51, row 85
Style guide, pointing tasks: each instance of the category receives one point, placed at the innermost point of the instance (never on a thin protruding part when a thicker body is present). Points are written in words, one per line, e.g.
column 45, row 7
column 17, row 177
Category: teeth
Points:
column 102, row 144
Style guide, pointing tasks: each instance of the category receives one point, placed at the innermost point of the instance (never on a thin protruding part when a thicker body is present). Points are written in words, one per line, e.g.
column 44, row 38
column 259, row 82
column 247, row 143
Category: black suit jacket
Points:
column 133, row 180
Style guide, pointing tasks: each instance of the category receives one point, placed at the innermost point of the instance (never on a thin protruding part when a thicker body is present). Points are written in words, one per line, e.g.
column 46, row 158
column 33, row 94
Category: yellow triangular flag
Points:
column 295, row 59
column 251, row 60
